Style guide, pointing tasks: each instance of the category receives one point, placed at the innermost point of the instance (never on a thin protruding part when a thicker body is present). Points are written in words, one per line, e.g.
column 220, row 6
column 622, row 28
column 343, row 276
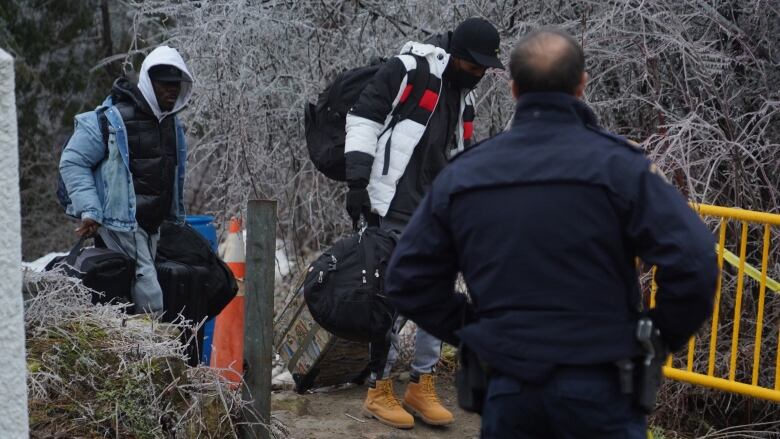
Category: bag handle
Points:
column 74, row 252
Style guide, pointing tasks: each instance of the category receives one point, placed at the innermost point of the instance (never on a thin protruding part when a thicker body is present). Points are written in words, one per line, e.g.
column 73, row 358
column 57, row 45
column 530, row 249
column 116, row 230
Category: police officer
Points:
column 545, row 222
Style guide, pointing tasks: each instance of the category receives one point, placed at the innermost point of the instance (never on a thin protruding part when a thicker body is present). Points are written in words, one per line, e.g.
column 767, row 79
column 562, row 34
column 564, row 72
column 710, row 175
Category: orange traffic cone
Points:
column 228, row 343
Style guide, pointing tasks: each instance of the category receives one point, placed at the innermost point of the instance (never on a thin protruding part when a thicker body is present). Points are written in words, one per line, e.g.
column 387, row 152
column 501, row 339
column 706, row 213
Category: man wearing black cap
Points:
column 415, row 114
column 123, row 168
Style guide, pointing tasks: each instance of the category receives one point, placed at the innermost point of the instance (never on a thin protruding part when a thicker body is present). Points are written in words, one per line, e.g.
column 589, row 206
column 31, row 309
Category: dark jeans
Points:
column 576, row 402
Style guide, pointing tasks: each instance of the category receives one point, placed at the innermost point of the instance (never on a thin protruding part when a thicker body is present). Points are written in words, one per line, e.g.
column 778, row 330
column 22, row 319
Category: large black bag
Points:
column 184, row 289
column 181, row 243
column 108, row 272
column 344, row 287
column 325, row 123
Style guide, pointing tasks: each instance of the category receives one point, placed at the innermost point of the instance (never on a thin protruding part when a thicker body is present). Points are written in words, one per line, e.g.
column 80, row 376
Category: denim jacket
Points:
column 98, row 179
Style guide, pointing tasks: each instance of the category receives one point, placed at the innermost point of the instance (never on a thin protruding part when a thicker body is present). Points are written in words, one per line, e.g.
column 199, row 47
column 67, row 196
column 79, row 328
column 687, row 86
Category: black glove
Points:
column 358, row 202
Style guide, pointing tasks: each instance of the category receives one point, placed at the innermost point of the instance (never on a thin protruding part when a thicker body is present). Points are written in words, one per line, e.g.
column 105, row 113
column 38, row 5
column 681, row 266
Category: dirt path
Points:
column 329, row 415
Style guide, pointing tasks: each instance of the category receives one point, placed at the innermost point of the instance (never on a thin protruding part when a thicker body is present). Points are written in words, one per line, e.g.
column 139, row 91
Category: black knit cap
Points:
column 166, row 73
column 477, row 41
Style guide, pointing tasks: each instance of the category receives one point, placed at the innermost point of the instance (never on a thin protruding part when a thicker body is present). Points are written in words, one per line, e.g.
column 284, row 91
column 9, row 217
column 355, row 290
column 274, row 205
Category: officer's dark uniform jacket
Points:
column 545, row 221
column 152, row 149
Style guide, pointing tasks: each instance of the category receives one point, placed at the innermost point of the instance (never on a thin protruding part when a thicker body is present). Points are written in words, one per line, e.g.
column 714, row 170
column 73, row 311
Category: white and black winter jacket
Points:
column 376, row 156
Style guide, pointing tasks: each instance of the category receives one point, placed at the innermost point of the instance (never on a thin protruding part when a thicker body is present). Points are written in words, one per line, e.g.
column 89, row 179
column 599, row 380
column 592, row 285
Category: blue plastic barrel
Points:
column 204, row 224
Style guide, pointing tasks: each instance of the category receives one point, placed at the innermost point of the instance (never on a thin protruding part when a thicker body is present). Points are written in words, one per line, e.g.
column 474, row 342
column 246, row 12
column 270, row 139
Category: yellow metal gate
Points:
column 712, row 360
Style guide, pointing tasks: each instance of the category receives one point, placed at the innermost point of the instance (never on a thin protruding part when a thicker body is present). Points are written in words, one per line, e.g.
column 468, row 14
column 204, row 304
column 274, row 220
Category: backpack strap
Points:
column 103, row 124
column 419, row 83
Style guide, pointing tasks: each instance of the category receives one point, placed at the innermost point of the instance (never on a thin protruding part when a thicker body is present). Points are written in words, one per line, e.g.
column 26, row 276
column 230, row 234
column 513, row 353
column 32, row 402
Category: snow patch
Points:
column 39, row 265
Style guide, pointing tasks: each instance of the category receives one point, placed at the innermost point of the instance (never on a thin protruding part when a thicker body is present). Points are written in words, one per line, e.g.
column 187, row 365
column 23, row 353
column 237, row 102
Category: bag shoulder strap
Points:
column 74, row 252
column 419, row 83
column 103, row 124
column 367, row 241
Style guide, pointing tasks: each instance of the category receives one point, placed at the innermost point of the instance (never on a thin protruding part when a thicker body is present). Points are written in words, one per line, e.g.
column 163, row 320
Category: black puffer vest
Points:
column 152, row 148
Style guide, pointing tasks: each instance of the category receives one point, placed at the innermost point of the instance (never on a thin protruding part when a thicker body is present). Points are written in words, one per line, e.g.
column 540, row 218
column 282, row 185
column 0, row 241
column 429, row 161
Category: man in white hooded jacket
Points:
column 397, row 141
column 124, row 166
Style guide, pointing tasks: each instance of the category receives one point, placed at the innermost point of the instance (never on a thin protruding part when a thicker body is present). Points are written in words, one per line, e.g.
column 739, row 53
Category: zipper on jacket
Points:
column 386, row 167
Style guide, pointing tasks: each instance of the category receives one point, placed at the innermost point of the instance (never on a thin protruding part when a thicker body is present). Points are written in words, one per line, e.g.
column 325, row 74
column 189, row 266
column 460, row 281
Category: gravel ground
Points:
column 336, row 414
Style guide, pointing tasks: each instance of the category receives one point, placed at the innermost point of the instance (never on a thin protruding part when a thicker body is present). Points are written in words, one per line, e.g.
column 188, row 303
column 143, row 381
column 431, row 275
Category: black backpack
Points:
column 182, row 244
column 62, row 191
column 108, row 272
column 344, row 287
column 325, row 122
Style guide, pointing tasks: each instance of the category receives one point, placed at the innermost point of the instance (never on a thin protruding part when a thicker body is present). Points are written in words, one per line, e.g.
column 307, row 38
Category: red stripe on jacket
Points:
column 429, row 99
column 468, row 130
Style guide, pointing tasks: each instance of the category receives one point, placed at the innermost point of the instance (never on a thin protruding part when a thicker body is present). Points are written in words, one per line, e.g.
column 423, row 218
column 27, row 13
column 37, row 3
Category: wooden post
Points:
column 259, row 313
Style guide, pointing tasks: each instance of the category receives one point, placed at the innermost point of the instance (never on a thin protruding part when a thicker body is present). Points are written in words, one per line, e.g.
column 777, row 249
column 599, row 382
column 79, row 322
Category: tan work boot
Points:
column 421, row 400
column 382, row 404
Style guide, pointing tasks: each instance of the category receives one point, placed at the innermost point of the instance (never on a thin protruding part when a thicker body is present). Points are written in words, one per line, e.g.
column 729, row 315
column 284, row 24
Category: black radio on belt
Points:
column 642, row 376
column 471, row 380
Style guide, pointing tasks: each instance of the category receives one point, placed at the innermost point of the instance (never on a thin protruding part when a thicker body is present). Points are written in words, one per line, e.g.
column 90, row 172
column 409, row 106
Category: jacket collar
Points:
column 559, row 106
column 436, row 56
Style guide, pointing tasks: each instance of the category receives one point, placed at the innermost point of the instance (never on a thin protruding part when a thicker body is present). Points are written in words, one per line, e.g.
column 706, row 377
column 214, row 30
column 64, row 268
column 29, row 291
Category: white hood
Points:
column 167, row 56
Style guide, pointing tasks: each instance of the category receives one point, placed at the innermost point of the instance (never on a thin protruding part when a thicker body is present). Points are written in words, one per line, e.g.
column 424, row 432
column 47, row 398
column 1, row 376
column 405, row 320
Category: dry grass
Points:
column 94, row 371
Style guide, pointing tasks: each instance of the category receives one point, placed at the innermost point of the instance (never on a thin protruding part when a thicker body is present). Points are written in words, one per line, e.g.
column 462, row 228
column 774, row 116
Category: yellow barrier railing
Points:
column 765, row 221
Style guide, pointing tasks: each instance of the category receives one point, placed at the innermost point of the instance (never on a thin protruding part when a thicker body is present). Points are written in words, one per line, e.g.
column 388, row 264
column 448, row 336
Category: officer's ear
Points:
column 515, row 90
column 579, row 91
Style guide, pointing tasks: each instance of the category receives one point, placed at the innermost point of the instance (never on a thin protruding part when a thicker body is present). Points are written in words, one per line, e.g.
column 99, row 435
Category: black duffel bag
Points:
column 181, row 243
column 344, row 287
column 108, row 272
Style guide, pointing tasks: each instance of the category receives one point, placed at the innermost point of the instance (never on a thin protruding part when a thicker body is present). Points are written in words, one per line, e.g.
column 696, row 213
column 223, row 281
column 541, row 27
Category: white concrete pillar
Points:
column 13, row 366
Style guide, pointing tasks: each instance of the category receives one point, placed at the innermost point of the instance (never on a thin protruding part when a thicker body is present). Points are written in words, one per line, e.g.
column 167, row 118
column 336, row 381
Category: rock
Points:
column 291, row 402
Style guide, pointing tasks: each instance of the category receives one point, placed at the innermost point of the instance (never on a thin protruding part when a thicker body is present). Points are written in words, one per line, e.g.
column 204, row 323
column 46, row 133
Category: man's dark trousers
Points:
column 575, row 402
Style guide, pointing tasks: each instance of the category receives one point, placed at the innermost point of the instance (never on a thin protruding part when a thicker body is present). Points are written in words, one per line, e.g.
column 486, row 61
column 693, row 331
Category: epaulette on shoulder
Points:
column 630, row 144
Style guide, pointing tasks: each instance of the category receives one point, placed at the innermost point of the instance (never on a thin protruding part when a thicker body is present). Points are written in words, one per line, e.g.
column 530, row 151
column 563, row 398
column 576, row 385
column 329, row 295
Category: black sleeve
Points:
column 374, row 104
column 358, row 168
column 376, row 100
column 668, row 234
